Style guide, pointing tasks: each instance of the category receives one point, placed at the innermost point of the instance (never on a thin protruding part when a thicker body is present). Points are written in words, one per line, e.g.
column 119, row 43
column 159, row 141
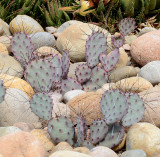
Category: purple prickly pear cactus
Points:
column 83, row 73
column 42, row 105
column 127, row 26
column 95, row 45
column 22, row 48
column 39, row 74
column 114, row 136
column 136, row 110
column 61, row 129
column 2, row 91
column 65, row 64
column 113, row 106
column 109, row 61
column 118, row 41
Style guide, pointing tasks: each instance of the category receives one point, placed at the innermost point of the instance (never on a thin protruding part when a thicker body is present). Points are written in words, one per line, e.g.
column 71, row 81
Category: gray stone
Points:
column 134, row 153
column 123, row 72
column 16, row 108
column 146, row 30
column 40, row 39
column 8, row 130
column 151, row 72
column 71, row 94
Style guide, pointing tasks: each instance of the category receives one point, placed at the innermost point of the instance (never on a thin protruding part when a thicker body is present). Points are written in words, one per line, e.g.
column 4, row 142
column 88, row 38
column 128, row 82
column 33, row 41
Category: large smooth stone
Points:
column 151, row 72
column 21, row 144
column 40, row 39
column 123, row 72
column 74, row 37
column 26, row 24
column 146, row 48
column 102, row 151
column 151, row 99
column 87, row 104
column 134, row 153
column 9, row 65
column 4, row 28
column 144, row 136
column 146, row 30
column 66, row 153
column 16, row 108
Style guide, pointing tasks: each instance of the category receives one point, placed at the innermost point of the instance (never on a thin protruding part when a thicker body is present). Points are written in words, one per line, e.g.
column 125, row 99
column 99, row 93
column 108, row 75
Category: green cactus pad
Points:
column 88, row 144
column 42, row 105
column 114, row 136
column 95, row 45
column 2, row 91
column 98, row 79
column 61, row 129
column 98, row 131
column 136, row 110
column 109, row 61
column 39, row 74
column 22, row 47
column 113, row 105
column 127, row 26
column 83, row 73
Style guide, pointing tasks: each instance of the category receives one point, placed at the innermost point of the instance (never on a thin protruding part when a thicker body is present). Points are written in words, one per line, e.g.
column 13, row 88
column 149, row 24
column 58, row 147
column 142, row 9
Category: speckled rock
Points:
column 21, row 144
column 76, row 46
column 101, row 151
column 71, row 94
column 16, row 108
column 24, row 126
column 144, row 136
column 151, row 72
column 123, row 72
column 134, row 84
column 9, row 65
column 31, row 25
column 146, row 48
column 8, row 130
column 87, row 104
column 68, row 154
column 134, row 153
column 4, row 27
column 3, row 49
column 43, row 137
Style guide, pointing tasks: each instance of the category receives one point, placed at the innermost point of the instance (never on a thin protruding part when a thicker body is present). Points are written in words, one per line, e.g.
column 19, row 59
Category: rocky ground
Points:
column 22, row 133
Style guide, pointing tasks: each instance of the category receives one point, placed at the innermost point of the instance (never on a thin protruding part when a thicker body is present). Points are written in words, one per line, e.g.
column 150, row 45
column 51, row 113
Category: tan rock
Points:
column 130, row 38
column 42, row 137
column 24, row 126
column 62, row 146
column 31, row 25
column 74, row 37
column 151, row 98
column 123, row 72
column 144, row 136
column 87, row 104
column 83, row 150
column 4, row 28
column 123, row 59
column 146, row 48
column 15, row 82
column 3, row 49
column 105, row 87
column 134, row 84
column 6, row 40
column 21, row 144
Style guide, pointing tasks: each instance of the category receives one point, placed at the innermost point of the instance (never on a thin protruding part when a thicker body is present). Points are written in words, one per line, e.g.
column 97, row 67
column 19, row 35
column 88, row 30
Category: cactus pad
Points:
column 136, row 110
column 61, row 129
column 2, row 91
column 42, row 105
column 113, row 106
column 98, row 131
column 118, row 41
column 95, row 45
column 98, row 79
column 39, row 74
column 109, row 61
column 22, row 47
column 87, row 144
column 65, row 64
column 114, row 136
column 69, row 84
column 83, row 73
column 127, row 26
